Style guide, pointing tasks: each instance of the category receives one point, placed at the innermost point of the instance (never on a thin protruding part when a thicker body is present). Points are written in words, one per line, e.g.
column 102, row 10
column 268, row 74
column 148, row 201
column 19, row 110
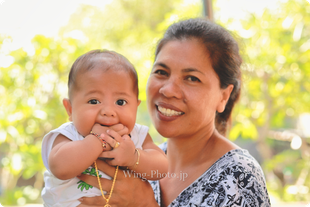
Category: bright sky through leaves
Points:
column 24, row 19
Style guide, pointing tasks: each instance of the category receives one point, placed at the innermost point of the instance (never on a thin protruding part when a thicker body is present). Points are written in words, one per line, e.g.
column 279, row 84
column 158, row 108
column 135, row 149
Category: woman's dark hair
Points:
column 107, row 60
column 224, row 54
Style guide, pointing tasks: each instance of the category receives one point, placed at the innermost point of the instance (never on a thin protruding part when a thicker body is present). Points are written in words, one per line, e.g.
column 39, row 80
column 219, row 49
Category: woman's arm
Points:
column 128, row 190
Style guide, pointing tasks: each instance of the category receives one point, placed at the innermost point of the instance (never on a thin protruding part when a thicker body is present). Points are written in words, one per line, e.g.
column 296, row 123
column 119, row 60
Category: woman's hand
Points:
column 129, row 190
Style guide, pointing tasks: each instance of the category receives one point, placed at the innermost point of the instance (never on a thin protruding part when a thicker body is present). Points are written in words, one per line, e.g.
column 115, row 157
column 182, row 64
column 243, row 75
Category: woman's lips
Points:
column 169, row 111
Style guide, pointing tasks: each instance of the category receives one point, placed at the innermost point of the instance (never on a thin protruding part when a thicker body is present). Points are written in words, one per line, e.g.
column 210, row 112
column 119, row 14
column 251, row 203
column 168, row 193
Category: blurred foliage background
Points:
column 271, row 120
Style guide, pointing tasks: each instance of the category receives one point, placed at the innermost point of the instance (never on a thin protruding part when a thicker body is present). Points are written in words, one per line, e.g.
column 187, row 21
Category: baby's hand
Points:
column 123, row 153
column 118, row 128
column 101, row 130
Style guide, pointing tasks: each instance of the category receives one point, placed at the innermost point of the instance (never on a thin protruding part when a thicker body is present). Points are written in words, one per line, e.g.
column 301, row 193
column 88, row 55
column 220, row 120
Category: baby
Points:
column 102, row 107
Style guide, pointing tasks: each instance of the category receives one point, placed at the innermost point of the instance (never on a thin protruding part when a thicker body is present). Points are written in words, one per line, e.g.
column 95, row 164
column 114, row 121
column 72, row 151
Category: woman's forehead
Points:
column 189, row 53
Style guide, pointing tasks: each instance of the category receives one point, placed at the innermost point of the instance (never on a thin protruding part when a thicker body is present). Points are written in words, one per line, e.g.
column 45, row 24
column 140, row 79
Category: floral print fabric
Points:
column 236, row 179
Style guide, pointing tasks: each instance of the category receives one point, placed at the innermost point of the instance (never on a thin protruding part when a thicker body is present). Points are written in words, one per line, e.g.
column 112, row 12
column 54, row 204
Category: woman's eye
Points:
column 192, row 79
column 94, row 101
column 121, row 102
column 161, row 72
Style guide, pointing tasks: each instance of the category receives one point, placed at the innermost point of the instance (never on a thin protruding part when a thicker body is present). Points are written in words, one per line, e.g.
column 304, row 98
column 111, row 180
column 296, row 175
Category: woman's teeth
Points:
column 168, row 112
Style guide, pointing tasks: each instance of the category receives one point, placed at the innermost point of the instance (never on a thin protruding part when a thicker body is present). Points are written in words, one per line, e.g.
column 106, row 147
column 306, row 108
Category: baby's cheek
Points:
column 82, row 130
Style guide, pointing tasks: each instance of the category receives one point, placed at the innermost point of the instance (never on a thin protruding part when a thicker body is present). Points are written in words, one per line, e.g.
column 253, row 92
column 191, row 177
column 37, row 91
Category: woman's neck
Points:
column 190, row 151
column 189, row 158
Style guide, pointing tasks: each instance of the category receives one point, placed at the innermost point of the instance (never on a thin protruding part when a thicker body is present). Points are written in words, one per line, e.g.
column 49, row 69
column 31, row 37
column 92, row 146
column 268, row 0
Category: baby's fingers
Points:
column 110, row 141
column 120, row 129
column 114, row 135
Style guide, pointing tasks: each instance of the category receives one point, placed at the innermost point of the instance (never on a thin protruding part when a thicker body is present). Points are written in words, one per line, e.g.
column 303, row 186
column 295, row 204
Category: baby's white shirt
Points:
column 60, row 193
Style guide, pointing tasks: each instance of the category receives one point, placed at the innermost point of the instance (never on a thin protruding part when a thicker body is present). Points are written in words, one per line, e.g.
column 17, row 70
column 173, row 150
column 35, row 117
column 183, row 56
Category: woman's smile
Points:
column 168, row 112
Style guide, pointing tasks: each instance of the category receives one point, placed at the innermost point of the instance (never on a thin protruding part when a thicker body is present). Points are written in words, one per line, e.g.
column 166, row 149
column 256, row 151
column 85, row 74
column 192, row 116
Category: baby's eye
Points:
column 121, row 102
column 192, row 79
column 94, row 101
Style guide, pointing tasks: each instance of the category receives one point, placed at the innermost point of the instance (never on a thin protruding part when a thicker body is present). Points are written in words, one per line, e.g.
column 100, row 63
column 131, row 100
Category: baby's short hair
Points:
column 107, row 60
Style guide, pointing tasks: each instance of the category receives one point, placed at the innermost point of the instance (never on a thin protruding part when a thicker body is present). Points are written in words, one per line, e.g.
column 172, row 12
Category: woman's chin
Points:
column 165, row 130
column 166, row 133
column 166, row 126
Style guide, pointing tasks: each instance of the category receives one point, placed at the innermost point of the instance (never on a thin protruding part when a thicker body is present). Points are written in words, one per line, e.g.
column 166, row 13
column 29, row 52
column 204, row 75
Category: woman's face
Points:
column 184, row 91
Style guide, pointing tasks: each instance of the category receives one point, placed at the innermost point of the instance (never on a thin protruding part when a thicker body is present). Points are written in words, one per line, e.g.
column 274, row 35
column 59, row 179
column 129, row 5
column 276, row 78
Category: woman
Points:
column 192, row 89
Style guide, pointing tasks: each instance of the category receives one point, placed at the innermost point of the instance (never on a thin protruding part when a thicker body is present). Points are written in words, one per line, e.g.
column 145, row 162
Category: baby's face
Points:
column 104, row 97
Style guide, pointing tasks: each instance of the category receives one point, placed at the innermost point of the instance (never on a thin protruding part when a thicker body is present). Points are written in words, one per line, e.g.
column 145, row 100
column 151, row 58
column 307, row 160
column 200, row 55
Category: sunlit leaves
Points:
column 277, row 54
column 276, row 90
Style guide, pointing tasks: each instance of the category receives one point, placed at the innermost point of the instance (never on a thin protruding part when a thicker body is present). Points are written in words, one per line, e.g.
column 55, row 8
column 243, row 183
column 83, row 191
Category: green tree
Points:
column 276, row 50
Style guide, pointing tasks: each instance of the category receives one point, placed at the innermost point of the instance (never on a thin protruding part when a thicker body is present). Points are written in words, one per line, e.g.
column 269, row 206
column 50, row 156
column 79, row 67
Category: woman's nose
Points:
column 171, row 89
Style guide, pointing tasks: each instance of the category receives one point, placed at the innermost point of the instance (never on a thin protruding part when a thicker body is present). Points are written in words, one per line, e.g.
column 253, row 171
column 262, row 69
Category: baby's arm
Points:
column 150, row 163
column 68, row 159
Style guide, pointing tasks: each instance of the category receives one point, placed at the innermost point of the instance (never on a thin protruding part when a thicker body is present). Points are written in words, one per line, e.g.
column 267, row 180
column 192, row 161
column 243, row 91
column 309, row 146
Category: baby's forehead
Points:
column 104, row 62
column 112, row 75
column 100, row 69
column 108, row 70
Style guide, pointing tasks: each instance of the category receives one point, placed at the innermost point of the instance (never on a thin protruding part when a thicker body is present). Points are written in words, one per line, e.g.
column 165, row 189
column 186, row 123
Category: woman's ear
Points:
column 225, row 97
column 67, row 104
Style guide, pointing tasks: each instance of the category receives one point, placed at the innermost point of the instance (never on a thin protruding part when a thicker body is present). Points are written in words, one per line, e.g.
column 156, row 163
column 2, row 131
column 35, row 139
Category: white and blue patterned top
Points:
column 236, row 179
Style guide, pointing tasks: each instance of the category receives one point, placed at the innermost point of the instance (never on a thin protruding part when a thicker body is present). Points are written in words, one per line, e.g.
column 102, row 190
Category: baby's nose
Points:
column 108, row 111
